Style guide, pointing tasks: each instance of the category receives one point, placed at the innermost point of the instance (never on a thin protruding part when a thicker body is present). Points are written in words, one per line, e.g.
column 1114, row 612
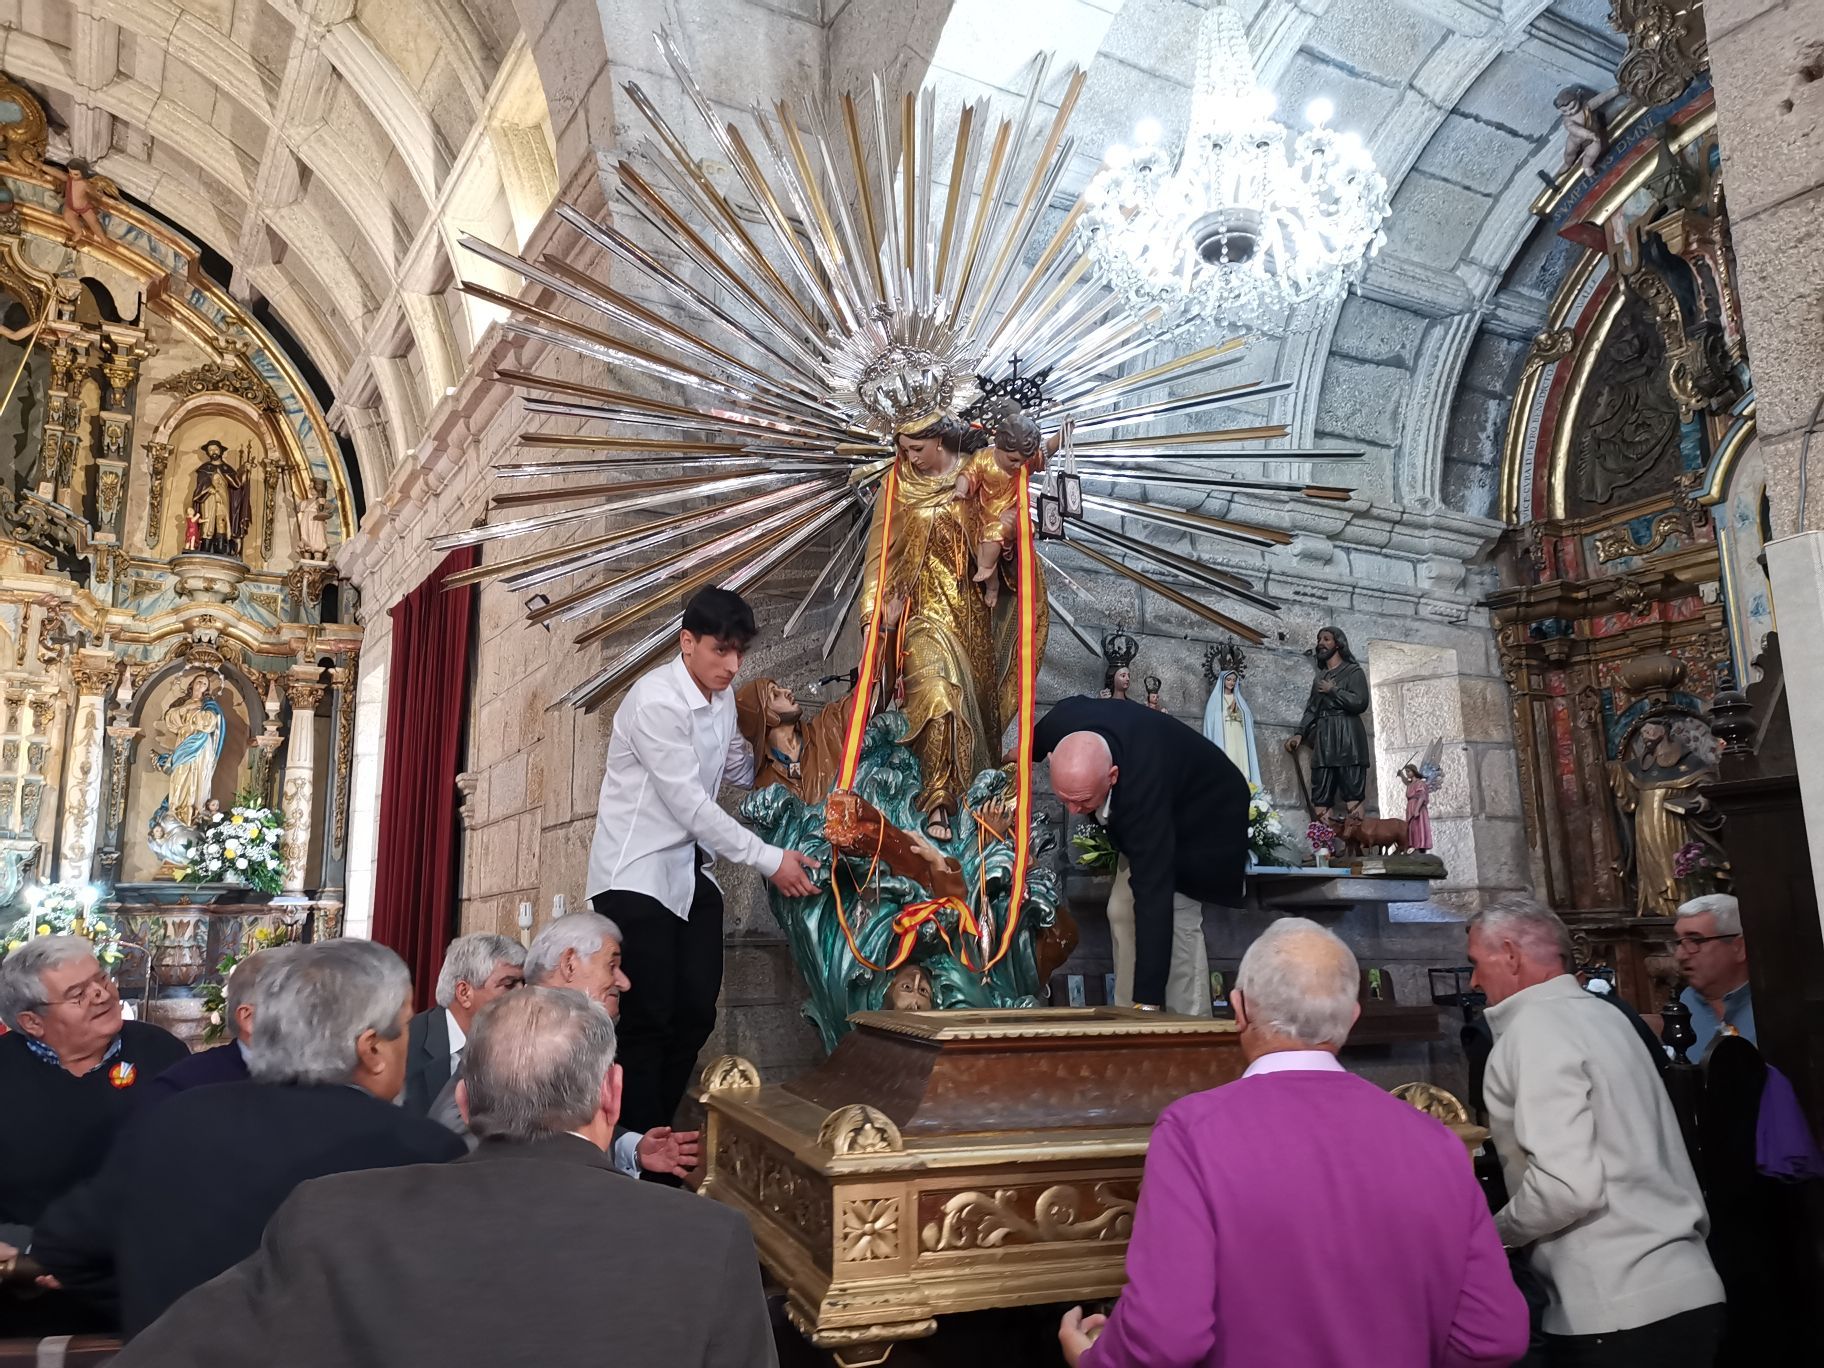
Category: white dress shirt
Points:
column 458, row 1039
column 671, row 750
column 1294, row 1061
column 625, row 1154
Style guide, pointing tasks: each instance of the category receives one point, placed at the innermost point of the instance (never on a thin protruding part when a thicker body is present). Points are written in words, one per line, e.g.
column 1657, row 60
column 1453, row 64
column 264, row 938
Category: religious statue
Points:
column 989, row 485
column 1418, row 808
column 803, row 755
column 1119, row 650
column 1154, row 687
column 313, row 523
column 1654, row 783
column 1229, row 722
column 79, row 208
column 1333, row 728
column 947, row 655
column 198, row 728
column 220, row 503
column 1586, row 135
column 909, row 990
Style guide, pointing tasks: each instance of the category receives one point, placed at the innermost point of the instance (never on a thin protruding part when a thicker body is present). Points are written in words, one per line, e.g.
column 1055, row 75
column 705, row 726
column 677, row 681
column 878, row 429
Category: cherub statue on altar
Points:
column 79, row 208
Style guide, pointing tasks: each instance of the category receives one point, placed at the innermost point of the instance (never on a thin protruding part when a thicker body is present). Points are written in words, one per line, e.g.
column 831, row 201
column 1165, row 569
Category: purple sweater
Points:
column 1310, row 1220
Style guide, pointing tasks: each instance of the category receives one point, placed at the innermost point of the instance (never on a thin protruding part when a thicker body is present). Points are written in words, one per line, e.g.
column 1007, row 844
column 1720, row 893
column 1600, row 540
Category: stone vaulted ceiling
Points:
column 334, row 150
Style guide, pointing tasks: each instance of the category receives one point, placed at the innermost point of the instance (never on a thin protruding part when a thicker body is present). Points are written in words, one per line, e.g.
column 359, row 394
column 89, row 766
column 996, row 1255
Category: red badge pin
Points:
column 122, row 1075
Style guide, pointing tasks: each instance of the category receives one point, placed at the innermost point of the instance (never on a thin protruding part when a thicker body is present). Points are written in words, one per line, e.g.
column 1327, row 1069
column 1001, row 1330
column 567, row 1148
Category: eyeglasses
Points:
column 1692, row 942
column 79, row 994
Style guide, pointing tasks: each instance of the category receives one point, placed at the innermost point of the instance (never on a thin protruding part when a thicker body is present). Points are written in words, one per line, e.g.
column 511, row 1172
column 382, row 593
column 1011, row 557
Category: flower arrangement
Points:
column 1266, row 830
column 1699, row 863
column 215, row 991
column 62, row 909
column 240, row 846
column 1095, row 851
column 1321, row 838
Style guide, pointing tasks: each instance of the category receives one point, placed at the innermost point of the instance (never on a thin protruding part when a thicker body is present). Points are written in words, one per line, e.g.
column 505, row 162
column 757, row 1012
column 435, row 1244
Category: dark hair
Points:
column 948, row 429
column 1017, row 433
column 975, row 438
column 722, row 614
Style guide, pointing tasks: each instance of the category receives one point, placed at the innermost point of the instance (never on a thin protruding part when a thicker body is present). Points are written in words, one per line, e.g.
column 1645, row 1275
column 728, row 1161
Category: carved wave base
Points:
column 942, row 1162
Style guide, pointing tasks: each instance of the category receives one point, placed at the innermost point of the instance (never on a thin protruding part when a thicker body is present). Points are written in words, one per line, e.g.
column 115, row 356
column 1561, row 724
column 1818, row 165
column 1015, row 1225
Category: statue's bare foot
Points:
column 937, row 826
column 985, row 574
column 991, row 591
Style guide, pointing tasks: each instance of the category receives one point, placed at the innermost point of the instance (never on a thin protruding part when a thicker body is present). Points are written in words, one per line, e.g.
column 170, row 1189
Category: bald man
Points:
column 1177, row 809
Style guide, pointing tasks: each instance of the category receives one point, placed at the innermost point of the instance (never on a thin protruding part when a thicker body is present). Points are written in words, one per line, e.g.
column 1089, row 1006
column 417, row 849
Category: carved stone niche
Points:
column 208, row 579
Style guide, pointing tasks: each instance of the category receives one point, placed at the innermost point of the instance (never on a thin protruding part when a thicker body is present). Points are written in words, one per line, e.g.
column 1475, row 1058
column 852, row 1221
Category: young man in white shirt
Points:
column 657, row 827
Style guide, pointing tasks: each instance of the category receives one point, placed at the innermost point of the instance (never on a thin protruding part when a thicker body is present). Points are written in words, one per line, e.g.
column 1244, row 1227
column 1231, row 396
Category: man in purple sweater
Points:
column 1300, row 1217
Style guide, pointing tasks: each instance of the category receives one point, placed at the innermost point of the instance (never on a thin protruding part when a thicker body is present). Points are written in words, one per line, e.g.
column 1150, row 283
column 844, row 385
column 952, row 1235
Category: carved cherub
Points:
column 80, row 187
column 1586, row 133
column 989, row 483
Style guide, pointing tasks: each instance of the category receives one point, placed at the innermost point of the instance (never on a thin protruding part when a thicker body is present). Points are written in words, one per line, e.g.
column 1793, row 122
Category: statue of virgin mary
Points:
column 198, row 726
column 1229, row 722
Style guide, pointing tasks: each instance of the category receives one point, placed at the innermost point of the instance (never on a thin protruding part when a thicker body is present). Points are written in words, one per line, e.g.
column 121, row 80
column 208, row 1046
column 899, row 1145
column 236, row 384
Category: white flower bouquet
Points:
column 1266, row 830
column 239, row 846
column 63, row 909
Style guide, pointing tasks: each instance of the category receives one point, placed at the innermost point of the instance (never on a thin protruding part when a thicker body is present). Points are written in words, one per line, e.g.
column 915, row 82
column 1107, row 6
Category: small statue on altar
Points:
column 909, row 990
column 1154, row 687
column 1229, row 722
column 1333, row 728
column 1586, row 135
column 198, row 726
column 79, row 208
column 219, row 502
column 313, row 523
column 1654, row 784
column 1418, row 809
column 989, row 484
column 193, row 532
column 1119, row 650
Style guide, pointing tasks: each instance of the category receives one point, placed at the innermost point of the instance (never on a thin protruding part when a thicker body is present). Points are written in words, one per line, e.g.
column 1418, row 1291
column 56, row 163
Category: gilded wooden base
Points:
column 952, row 1161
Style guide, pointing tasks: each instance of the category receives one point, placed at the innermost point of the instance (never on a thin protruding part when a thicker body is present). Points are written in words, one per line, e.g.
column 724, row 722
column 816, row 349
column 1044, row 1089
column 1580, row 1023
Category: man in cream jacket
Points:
column 1600, row 1187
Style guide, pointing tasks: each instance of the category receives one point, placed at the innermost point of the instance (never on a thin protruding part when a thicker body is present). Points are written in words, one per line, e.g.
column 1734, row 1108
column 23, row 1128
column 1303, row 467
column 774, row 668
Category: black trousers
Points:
column 1687, row 1340
column 675, row 967
column 1335, row 784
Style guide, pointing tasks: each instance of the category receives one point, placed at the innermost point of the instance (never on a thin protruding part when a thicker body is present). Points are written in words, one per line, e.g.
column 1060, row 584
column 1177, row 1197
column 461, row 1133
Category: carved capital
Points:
column 859, row 1129
column 94, row 674
column 730, row 1074
column 304, row 694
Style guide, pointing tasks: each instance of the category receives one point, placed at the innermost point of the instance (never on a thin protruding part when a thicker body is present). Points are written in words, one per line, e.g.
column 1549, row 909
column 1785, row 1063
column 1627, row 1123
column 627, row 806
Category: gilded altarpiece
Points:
column 172, row 630
column 1632, row 587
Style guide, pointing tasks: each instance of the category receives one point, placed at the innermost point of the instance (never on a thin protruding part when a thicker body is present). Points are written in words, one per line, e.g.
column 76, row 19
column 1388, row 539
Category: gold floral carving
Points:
column 772, row 1181
column 107, row 493
column 345, row 746
column 859, row 1129
column 92, row 676
column 215, row 378
column 1618, row 541
column 81, row 808
column 1434, row 1101
column 1554, row 344
column 159, row 454
column 8, row 788
column 305, row 582
column 981, row 1220
column 294, row 803
column 870, row 1229
column 26, row 137
column 730, row 1073
column 1667, row 47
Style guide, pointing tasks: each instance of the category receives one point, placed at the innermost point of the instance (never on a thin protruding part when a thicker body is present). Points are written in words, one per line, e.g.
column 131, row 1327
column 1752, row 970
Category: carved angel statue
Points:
column 81, row 186
column 1586, row 132
column 313, row 523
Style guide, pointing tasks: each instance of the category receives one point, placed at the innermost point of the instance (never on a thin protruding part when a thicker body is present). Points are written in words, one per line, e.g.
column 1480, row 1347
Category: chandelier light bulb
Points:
column 1148, row 132
column 1248, row 220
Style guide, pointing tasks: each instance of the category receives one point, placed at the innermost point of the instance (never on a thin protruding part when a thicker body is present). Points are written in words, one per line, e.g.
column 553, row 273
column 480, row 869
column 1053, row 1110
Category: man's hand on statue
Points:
column 1076, row 1332
column 663, row 1150
column 795, row 876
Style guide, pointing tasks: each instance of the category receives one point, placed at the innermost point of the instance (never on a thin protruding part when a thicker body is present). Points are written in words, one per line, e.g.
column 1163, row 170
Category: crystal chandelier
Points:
column 1237, row 229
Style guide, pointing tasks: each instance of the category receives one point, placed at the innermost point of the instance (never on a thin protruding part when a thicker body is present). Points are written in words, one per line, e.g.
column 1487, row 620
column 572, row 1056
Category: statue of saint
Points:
column 803, row 755
column 1654, row 785
column 313, row 523
column 909, row 990
column 198, row 728
column 1229, row 722
column 1332, row 726
column 219, row 501
column 947, row 656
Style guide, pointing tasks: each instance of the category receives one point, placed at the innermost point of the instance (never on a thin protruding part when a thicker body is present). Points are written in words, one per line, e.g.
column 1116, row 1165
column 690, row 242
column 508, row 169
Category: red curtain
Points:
column 415, row 887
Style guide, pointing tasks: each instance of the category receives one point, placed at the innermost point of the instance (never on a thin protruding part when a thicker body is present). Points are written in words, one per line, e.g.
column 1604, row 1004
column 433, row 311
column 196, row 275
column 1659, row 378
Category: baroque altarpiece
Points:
column 172, row 633
column 1634, row 587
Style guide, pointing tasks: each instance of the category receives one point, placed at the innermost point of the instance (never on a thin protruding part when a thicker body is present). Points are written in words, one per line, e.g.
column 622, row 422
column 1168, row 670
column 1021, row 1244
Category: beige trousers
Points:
column 1187, row 986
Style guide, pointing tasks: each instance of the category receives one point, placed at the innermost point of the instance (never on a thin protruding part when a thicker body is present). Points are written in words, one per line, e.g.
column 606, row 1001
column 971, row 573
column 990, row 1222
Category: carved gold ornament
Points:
column 859, row 1130
column 870, row 1229
column 730, row 1073
column 1434, row 1101
column 981, row 1220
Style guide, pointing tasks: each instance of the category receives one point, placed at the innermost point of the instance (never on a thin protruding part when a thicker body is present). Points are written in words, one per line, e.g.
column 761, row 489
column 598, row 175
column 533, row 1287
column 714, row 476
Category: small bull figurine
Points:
column 1385, row 835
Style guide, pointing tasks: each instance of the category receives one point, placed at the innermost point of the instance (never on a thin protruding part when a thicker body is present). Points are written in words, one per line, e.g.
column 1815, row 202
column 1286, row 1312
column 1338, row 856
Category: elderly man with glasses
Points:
column 71, row 1070
column 1713, row 960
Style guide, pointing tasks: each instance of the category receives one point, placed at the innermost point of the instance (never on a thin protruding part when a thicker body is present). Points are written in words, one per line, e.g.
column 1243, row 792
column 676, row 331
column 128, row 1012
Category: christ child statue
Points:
column 79, row 206
column 989, row 484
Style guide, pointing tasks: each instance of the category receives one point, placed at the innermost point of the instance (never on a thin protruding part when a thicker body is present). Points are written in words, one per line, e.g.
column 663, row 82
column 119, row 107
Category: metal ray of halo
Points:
column 1165, row 408
column 834, row 467
column 1003, row 169
column 1168, row 459
column 979, row 208
column 1047, row 170
column 1189, row 520
column 847, row 589
column 805, row 266
column 817, row 119
column 1091, row 389
column 639, row 494
column 1195, row 571
column 883, row 161
column 684, row 421
column 592, row 692
column 1331, row 493
column 802, row 362
column 870, row 211
column 1235, row 626
column 832, row 274
column 846, row 551
column 524, row 497
column 1219, row 436
column 1027, row 318
column 606, row 595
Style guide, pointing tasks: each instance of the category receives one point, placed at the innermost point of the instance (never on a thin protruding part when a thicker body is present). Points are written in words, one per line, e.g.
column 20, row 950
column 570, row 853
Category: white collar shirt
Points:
column 671, row 750
column 458, row 1039
column 1295, row 1061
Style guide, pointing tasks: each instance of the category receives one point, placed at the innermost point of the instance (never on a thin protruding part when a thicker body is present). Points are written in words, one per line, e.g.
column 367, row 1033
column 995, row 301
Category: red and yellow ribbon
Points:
column 1028, row 679
column 870, row 649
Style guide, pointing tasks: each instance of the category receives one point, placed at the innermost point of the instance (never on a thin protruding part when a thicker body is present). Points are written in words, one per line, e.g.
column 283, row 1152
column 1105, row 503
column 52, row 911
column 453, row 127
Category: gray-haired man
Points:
column 577, row 1268
column 477, row 968
column 189, row 1185
column 582, row 952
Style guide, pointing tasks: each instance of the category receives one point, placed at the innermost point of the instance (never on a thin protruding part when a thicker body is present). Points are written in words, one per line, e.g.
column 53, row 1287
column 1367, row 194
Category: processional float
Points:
column 871, row 283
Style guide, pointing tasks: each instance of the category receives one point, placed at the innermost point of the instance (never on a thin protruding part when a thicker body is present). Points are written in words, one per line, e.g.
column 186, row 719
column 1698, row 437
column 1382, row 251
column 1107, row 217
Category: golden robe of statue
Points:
column 952, row 659
column 1653, row 787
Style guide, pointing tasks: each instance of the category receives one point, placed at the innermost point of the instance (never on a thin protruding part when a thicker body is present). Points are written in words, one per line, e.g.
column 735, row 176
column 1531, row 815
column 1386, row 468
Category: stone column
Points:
column 94, row 673
column 296, row 795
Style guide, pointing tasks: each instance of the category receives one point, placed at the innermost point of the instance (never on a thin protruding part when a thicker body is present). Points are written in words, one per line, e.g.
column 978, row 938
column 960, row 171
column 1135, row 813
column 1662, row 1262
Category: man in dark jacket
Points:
column 1173, row 804
column 190, row 1184
column 226, row 1063
column 532, row 1250
column 477, row 968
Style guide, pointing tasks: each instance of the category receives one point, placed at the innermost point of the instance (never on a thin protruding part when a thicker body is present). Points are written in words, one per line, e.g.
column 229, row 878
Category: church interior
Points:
column 382, row 376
